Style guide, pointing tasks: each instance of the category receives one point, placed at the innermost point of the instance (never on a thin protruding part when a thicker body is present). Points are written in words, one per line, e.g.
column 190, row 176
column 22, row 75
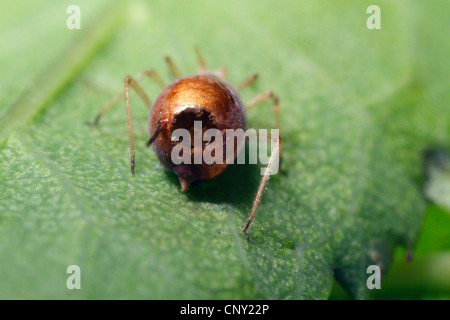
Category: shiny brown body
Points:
column 205, row 98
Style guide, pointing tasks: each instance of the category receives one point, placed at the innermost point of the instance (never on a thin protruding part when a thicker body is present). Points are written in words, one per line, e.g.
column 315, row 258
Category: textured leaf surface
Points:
column 358, row 108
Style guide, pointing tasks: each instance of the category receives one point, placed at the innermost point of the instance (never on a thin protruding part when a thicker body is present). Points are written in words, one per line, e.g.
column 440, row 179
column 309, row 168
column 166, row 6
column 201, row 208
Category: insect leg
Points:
column 130, row 82
column 247, row 81
column 111, row 103
column 173, row 68
column 266, row 175
column 201, row 62
column 263, row 96
column 156, row 133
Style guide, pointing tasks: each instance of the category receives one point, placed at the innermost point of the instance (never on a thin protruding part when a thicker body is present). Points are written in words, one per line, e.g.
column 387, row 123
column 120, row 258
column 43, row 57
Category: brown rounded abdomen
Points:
column 202, row 98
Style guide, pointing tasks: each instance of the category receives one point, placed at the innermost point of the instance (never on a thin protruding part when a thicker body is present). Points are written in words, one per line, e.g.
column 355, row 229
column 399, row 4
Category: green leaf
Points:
column 358, row 106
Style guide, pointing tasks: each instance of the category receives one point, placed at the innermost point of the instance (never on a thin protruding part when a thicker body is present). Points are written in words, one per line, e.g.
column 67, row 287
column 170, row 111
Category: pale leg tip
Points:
column 245, row 234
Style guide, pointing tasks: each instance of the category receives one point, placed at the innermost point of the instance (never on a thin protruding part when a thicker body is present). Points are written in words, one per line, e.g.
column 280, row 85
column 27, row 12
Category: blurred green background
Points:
column 360, row 109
